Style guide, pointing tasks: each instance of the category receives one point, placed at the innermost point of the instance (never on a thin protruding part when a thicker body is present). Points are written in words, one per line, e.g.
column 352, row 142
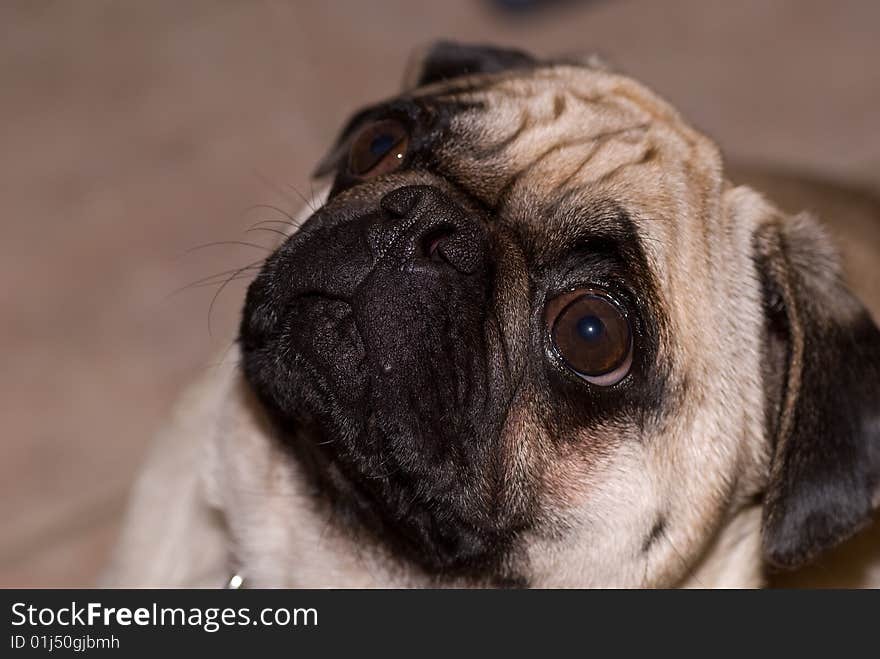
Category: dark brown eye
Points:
column 592, row 335
column 379, row 148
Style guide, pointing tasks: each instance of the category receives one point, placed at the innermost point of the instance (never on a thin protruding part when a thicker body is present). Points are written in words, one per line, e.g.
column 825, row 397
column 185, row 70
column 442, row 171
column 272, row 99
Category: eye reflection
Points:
column 591, row 328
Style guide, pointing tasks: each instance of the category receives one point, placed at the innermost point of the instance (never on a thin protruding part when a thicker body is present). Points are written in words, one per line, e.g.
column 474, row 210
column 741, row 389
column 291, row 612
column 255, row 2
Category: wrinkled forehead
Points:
column 562, row 138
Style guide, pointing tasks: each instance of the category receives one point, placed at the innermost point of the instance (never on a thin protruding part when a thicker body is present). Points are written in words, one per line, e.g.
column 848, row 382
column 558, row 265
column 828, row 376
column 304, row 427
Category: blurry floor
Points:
column 133, row 131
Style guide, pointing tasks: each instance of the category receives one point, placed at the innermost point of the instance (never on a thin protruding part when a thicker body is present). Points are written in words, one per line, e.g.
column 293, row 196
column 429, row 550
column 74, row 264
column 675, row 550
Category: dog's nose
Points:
column 422, row 223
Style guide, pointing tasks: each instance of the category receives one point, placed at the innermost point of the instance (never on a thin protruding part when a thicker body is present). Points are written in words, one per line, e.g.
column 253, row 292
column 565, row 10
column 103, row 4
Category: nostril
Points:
column 400, row 203
column 433, row 239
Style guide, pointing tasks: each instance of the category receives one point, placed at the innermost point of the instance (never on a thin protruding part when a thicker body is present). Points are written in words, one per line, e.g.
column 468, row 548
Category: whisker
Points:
column 270, row 207
column 220, row 281
column 280, row 233
column 217, row 295
column 284, row 222
column 218, row 276
column 307, row 202
column 265, row 180
column 227, row 242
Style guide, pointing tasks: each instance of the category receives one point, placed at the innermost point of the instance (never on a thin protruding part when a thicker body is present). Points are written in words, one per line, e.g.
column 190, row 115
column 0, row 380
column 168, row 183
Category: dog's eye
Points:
column 379, row 148
column 592, row 335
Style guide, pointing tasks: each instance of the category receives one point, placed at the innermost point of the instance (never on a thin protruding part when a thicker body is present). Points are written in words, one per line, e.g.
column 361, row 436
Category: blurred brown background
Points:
column 132, row 131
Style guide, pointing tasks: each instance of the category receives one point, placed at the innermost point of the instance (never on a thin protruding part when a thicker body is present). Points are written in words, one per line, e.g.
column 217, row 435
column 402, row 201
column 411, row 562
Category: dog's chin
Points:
column 395, row 421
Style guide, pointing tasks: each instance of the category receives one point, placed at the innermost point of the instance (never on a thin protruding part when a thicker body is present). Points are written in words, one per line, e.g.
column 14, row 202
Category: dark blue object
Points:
column 591, row 328
column 381, row 144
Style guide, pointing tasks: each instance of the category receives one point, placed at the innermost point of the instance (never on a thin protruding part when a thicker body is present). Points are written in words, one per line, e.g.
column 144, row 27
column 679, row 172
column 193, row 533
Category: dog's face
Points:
column 534, row 337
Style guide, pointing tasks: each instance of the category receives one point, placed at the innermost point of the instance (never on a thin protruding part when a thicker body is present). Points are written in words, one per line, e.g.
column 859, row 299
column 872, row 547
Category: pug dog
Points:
column 533, row 336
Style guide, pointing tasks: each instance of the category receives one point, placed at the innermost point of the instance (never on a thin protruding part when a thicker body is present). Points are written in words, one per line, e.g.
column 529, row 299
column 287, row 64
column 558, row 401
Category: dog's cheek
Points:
column 595, row 516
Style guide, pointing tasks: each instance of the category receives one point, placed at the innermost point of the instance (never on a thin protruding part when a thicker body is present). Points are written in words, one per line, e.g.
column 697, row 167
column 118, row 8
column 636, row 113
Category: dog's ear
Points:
column 444, row 60
column 822, row 371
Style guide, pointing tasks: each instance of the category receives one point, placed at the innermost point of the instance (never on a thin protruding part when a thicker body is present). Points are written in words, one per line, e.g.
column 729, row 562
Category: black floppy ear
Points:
column 446, row 59
column 823, row 383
